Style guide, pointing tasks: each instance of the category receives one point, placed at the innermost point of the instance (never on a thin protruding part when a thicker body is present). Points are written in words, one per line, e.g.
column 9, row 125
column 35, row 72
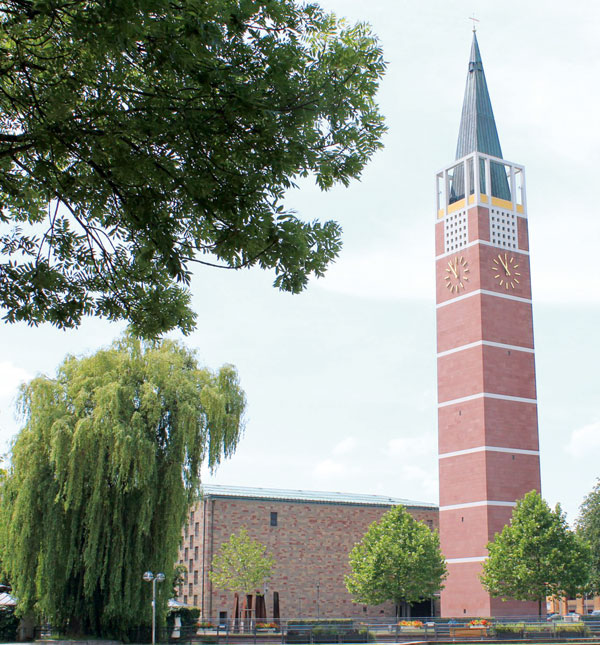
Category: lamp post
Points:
column 318, row 599
column 150, row 577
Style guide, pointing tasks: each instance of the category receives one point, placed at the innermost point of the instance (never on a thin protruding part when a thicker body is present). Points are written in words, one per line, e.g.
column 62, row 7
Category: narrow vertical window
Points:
column 273, row 519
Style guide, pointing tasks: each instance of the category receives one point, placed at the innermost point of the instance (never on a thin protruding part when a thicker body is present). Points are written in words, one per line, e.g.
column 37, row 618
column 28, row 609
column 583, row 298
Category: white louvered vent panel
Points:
column 503, row 229
column 456, row 234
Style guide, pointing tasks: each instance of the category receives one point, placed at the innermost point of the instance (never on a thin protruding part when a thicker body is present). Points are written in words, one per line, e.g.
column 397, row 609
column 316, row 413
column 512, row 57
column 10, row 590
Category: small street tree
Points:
column 588, row 527
column 536, row 555
column 102, row 476
column 398, row 559
column 242, row 565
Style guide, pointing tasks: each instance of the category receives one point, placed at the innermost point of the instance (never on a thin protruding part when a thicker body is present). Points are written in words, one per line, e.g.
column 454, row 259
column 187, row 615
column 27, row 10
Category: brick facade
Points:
column 487, row 414
column 309, row 539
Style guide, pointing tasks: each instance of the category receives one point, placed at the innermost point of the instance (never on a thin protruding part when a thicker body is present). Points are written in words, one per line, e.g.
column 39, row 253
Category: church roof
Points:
column 215, row 490
column 477, row 125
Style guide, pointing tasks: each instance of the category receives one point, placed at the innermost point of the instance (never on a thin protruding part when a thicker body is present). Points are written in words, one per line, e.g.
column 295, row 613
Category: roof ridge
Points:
column 299, row 494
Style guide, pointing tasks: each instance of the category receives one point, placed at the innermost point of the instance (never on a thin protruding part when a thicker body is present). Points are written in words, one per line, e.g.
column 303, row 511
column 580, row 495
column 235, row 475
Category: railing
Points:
column 308, row 632
column 375, row 631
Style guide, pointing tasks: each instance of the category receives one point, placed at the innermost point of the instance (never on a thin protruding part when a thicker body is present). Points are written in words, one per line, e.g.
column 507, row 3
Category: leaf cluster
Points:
column 588, row 527
column 398, row 559
column 536, row 555
column 138, row 137
column 102, row 476
column 241, row 565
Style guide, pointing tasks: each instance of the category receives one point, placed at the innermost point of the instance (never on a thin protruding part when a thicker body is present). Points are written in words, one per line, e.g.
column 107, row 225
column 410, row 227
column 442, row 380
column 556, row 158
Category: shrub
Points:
column 573, row 628
column 188, row 615
column 9, row 624
column 509, row 628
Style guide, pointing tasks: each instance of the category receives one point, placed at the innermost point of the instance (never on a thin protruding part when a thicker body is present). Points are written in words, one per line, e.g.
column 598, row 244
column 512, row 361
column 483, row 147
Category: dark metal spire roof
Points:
column 477, row 126
column 478, row 132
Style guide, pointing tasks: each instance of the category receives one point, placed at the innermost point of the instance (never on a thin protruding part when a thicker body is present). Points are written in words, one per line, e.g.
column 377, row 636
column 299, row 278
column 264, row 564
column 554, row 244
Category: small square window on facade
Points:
column 273, row 519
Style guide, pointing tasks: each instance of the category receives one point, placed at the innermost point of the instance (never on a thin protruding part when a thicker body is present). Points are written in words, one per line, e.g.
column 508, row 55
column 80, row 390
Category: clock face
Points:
column 505, row 271
column 457, row 274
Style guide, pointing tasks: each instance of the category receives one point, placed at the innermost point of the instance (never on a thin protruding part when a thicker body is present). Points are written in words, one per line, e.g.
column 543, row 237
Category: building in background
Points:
column 487, row 406
column 310, row 535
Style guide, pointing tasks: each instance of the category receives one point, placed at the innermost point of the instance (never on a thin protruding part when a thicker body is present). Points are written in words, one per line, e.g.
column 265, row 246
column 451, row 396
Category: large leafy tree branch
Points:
column 140, row 137
column 102, row 476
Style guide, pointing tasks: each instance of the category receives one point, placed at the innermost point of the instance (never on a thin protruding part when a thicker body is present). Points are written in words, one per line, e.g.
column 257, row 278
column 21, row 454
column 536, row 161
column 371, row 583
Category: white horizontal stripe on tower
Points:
column 483, row 243
column 479, row 558
column 487, row 395
column 484, row 292
column 468, row 451
column 484, row 502
column 487, row 343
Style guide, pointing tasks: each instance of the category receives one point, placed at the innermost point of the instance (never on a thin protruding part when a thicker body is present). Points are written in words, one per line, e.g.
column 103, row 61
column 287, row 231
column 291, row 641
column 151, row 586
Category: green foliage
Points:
column 509, row 628
column 102, row 476
column 139, row 137
column 398, row 559
column 241, row 565
column 179, row 575
column 189, row 617
column 588, row 527
column 536, row 555
column 9, row 624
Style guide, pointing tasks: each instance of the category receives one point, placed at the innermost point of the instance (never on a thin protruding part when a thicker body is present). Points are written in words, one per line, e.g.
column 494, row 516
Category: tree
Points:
column 399, row 559
column 242, row 565
column 588, row 527
column 140, row 137
column 536, row 555
column 101, row 479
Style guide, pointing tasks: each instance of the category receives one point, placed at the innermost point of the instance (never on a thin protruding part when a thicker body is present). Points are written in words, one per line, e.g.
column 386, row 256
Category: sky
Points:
column 341, row 380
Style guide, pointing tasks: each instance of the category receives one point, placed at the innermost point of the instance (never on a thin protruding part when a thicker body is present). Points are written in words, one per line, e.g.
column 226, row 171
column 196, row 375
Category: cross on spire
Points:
column 474, row 21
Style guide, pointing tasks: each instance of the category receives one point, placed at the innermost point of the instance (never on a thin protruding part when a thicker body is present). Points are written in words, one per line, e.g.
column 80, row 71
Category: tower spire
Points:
column 477, row 131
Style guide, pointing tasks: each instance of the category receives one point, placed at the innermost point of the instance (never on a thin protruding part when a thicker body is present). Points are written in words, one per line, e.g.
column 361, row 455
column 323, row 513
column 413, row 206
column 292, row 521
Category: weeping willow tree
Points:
column 101, row 478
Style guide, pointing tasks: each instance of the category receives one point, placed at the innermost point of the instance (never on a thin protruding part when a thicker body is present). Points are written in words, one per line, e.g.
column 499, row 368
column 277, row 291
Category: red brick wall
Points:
column 310, row 544
column 470, row 480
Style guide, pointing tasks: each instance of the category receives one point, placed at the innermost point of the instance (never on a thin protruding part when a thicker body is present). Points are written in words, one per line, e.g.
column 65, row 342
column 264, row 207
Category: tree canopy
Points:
column 536, row 555
column 101, row 478
column 139, row 137
column 241, row 565
column 588, row 527
column 398, row 559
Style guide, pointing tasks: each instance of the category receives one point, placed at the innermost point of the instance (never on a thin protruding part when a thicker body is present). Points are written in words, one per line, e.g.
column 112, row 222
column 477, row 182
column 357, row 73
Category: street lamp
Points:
column 150, row 577
column 318, row 599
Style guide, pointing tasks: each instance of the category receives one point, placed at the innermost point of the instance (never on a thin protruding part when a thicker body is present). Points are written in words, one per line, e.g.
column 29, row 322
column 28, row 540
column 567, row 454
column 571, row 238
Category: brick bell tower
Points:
column 487, row 409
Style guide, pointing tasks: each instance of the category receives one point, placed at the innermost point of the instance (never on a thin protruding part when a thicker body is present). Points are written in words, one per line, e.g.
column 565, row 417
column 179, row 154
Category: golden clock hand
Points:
column 504, row 265
column 452, row 269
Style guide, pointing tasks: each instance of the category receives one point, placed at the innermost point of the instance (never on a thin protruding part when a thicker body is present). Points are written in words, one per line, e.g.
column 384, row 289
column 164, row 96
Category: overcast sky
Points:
column 341, row 380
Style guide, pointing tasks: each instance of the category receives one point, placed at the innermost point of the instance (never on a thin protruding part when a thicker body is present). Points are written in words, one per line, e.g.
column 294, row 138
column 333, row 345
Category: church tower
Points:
column 487, row 408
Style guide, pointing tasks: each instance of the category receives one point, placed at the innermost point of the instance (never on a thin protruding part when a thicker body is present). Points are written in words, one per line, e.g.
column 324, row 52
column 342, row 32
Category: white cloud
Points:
column 584, row 440
column 386, row 273
column 416, row 446
column 11, row 377
column 328, row 468
column 345, row 447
